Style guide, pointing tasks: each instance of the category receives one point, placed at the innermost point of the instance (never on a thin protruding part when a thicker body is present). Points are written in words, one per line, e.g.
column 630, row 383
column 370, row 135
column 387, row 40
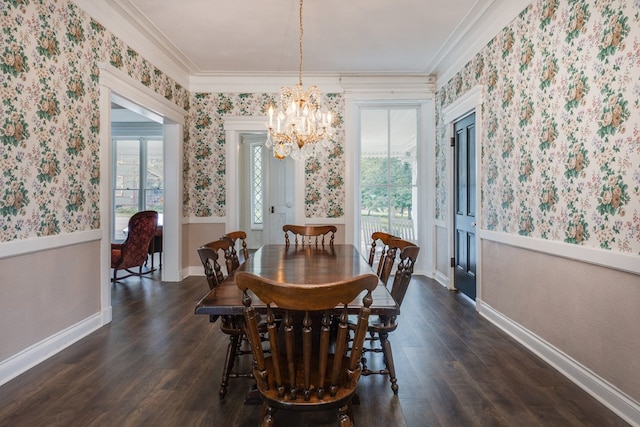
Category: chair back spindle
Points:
column 210, row 257
column 309, row 234
column 238, row 255
column 307, row 371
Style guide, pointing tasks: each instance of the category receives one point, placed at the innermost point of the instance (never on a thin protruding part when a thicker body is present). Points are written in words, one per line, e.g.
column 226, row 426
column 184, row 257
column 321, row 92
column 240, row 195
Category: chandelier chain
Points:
column 300, row 68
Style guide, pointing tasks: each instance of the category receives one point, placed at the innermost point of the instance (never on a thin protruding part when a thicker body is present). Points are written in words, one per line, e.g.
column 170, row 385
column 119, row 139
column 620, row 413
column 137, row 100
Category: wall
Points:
column 205, row 156
column 560, row 163
column 196, row 235
column 49, row 158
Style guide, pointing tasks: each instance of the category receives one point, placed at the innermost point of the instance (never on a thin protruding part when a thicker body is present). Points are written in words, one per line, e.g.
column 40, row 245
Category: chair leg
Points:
column 268, row 413
column 388, row 360
column 343, row 417
column 228, row 363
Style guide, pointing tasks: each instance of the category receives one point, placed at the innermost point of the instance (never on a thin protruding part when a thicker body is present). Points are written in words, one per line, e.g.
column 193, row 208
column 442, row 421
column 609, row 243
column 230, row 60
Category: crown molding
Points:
column 260, row 82
column 127, row 23
column 388, row 83
column 478, row 28
column 327, row 83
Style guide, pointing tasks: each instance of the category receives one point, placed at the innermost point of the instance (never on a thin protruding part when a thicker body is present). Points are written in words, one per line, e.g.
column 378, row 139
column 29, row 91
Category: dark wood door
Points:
column 465, row 206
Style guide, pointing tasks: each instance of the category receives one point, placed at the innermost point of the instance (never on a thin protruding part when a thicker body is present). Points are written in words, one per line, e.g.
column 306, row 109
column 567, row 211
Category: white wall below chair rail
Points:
column 603, row 391
column 26, row 246
column 616, row 260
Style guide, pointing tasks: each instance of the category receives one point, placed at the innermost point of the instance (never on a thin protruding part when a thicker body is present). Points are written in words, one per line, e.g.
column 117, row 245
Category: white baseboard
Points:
column 39, row 352
column 442, row 279
column 193, row 270
column 607, row 394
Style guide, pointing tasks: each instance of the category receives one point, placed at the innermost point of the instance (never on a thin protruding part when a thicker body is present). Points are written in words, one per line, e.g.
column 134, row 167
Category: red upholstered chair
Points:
column 135, row 249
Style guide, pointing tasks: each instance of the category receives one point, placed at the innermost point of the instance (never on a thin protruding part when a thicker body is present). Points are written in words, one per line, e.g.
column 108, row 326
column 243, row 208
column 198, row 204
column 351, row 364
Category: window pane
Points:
column 154, row 191
column 126, row 203
column 257, row 178
column 402, row 217
column 374, row 131
column 128, row 164
column 403, row 138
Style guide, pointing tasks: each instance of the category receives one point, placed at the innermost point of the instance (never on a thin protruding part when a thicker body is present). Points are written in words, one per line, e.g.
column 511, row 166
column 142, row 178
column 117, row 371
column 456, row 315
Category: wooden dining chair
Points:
column 380, row 326
column 241, row 254
column 308, row 234
column 379, row 247
column 393, row 248
column 233, row 325
column 134, row 251
column 302, row 373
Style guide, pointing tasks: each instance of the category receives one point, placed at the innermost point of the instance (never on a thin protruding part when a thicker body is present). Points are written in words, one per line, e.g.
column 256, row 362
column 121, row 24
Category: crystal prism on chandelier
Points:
column 299, row 126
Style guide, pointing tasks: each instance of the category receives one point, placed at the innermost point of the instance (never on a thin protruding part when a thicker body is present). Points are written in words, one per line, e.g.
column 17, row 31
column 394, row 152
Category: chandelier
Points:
column 299, row 126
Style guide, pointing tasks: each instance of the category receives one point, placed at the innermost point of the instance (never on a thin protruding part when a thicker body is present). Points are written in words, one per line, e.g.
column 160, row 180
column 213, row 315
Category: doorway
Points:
column 235, row 127
column 465, row 258
column 117, row 87
column 266, row 185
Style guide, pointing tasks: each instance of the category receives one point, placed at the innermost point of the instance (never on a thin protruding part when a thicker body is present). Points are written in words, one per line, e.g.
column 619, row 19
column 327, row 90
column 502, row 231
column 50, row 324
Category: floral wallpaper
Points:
column 560, row 124
column 49, row 116
column 205, row 163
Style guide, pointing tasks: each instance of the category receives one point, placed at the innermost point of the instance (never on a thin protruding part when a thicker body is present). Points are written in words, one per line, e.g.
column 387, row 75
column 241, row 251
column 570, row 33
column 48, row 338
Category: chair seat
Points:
column 377, row 324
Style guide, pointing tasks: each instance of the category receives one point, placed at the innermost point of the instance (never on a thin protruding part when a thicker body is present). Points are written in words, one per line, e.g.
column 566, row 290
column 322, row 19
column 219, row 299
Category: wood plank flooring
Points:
column 158, row 364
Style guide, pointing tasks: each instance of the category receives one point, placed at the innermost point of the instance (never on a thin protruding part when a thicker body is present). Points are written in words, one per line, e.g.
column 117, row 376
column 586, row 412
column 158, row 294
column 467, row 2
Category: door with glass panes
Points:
column 388, row 172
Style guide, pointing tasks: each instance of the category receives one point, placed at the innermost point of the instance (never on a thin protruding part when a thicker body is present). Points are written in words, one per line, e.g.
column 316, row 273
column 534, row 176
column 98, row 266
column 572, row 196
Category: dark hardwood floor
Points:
column 158, row 364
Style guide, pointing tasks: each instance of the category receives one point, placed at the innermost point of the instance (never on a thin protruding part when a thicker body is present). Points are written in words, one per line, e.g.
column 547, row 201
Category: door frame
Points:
column 234, row 127
column 131, row 94
column 467, row 104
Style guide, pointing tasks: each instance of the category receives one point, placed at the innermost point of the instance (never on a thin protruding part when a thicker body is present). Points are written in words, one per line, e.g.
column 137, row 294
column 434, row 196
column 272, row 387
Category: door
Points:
column 252, row 185
column 465, row 206
column 267, row 188
column 279, row 200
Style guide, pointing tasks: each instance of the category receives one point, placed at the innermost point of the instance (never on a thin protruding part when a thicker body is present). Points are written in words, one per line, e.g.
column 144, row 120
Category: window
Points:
column 388, row 172
column 138, row 180
column 257, row 186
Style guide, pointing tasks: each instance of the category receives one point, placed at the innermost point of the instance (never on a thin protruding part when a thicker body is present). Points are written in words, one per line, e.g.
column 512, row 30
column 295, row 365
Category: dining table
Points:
column 305, row 265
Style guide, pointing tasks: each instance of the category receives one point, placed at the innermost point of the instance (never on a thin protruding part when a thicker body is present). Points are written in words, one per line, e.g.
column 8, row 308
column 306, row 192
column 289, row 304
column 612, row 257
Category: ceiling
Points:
column 340, row 36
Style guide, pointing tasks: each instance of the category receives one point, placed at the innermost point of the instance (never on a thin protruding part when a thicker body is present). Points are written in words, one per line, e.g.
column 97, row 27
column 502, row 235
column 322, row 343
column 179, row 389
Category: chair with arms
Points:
column 312, row 234
column 237, row 236
column 134, row 251
column 301, row 373
column 380, row 326
column 210, row 255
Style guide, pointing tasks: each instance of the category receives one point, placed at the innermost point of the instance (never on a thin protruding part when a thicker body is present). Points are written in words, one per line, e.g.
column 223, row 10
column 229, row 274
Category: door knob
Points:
column 473, row 224
column 272, row 210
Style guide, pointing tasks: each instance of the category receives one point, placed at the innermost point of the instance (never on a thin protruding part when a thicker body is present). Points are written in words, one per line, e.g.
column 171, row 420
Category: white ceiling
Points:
column 340, row 36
